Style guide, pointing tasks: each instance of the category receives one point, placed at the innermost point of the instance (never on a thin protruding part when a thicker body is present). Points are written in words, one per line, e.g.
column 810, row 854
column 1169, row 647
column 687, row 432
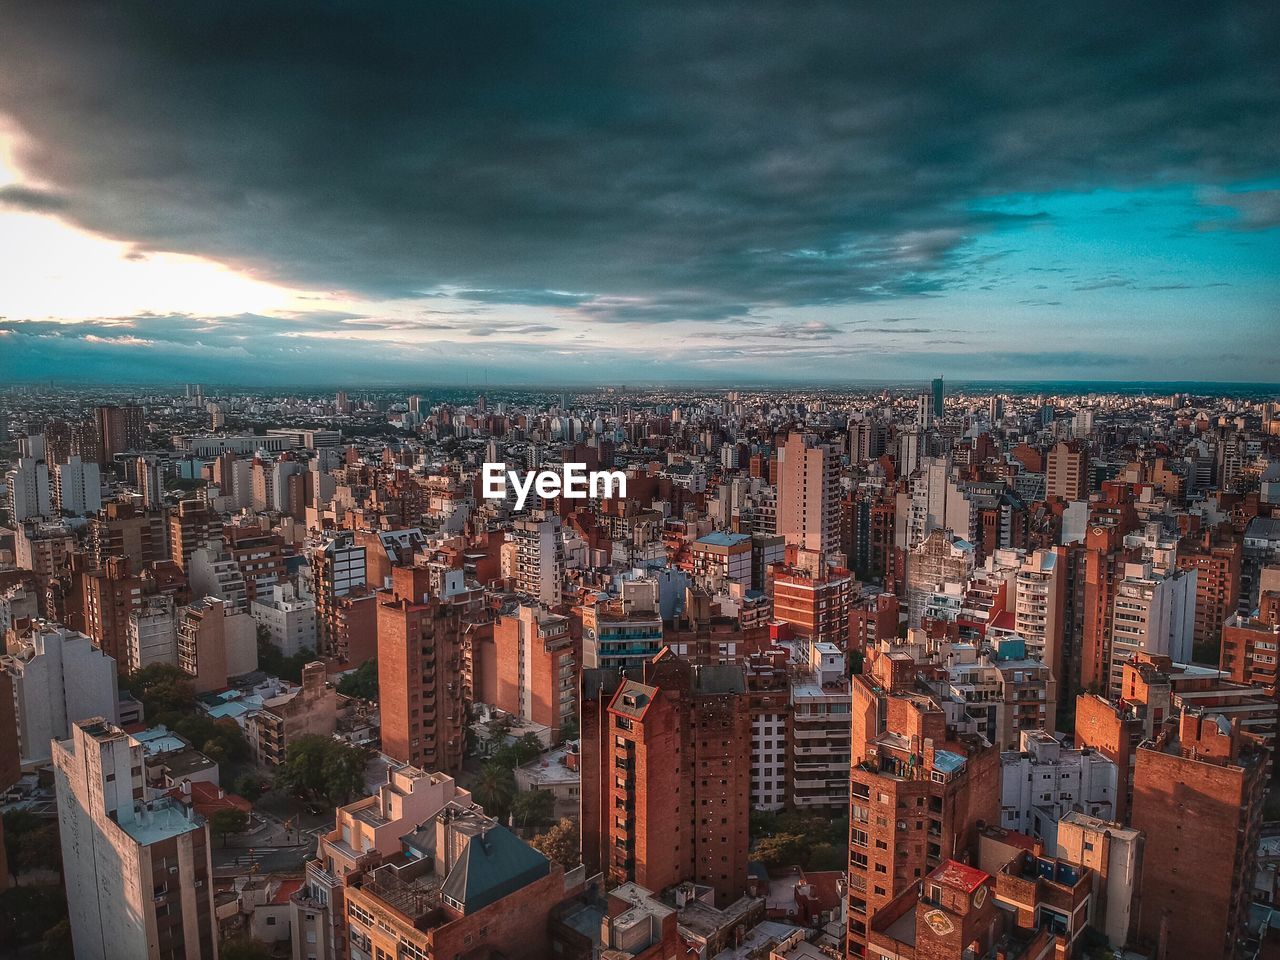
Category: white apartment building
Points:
column 28, row 490
column 138, row 872
column 538, row 562
column 1039, row 605
column 290, row 619
column 1043, row 782
column 153, row 633
column 214, row 572
column 77, row 487
column 58, row 677
column 1152, row 613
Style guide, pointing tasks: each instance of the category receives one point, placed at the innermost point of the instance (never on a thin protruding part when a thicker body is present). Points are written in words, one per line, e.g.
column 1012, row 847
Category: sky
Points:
column 328, row 192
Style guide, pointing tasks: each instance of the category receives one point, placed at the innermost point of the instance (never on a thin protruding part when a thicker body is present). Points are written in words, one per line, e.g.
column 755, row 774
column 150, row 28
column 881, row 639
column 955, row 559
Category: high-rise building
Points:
column 809, row 494
column 817, row 755
column 58, row 677
column 624, row 631
column 1067, row 471
column 1197, row 797
column 721, row 556
column 812, row 597
column 538, row 557
column 150, row 483
column 119, row 429
column 28, row 490
column 77, row 487
column 337, row 569
column 924, row 411
column 138, row 872
column 120, row 529
column 108, row 597
column 259, row 556
column 1114, row 855
column 995, row 409
column 190, row 526
column 422, row 692
column 940, row 559
column 1217, row 563
column 1152, row 614
column 536, row 667
column 1250, row 651
column 202, row 644
column 288, row 618
column 152, row 633
column 213, row 572
column 1043, row 781
column 917, row 794
column 1040, row 605
column 939, row 399
column 673, row 785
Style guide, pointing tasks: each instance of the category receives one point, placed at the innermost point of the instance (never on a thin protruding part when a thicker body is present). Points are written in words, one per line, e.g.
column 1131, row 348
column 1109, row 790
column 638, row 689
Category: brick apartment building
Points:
column 917, row 794
column 666, row 775
column 1197, row 796
column 463, row 886
column 422, row 684
column 536, row 665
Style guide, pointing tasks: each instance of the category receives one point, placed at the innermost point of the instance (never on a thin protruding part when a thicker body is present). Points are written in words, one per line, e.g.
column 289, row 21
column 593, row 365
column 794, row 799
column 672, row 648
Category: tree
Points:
column 782, row 850
column 828, row 856
column 533, row 808
column 561, row 844
column 31, row 843
column 498, row 732
column 163, row 689
column 275, row 663
column 362, row 682
column 494, row 789
column 228, row 821
column 251, row 786
column 221, row 739
column 321, row 767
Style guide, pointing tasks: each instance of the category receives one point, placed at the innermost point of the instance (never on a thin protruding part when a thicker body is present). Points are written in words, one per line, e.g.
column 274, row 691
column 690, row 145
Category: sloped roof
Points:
column 494, row 863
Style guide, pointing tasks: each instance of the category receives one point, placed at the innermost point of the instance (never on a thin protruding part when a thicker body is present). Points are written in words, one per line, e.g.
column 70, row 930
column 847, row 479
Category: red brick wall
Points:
column 1191, row 815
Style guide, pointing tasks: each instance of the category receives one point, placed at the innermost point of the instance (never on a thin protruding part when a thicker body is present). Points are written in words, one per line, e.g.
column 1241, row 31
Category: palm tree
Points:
column 494, row 789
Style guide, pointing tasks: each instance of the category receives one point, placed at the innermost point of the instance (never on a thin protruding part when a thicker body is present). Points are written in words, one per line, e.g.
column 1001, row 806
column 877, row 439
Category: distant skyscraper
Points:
column 119, row 429
column 150, row 486
column 938, row 399
column 924, row 410
column 1068, row 471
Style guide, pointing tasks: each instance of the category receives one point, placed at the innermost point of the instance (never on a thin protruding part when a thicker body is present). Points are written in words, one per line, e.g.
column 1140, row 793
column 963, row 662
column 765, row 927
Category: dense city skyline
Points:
column 641, row 194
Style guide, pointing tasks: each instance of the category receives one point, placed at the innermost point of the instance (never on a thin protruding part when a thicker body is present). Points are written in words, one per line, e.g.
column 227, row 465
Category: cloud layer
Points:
column 630, row 163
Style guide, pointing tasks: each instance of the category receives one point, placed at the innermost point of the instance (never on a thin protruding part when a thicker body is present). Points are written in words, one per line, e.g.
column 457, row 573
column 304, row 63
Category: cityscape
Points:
column 908, row 671
column 639, row 481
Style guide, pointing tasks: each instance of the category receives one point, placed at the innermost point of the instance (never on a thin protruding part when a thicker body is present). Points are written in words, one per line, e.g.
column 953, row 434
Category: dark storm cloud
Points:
column 687, row 161
column 17, row 197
